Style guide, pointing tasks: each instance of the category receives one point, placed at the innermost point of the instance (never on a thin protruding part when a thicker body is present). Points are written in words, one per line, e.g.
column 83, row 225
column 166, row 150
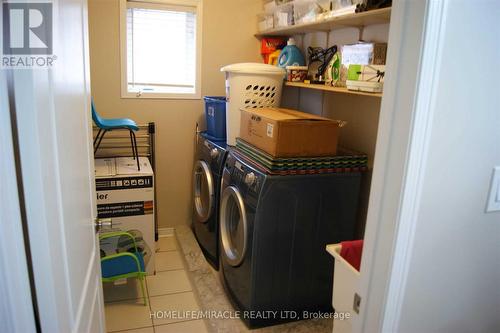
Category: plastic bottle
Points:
column 273, row 58
column 291, row 55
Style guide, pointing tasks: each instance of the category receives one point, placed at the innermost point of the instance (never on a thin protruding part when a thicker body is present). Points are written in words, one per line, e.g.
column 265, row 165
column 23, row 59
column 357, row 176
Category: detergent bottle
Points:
column 291, row 55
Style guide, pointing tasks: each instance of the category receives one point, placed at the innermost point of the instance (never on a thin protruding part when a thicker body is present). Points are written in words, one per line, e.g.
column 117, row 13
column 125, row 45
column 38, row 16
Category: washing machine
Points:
column 273, row 233
column 208, row 167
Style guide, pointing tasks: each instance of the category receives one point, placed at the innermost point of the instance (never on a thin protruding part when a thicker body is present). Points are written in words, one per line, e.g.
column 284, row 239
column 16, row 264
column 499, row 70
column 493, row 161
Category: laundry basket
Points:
column 345, row 283
column 250, row 85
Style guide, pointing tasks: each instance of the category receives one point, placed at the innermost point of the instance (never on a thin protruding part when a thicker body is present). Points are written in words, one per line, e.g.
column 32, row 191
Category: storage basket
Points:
column 250, row 85
column 215, row 115
column 345, row 284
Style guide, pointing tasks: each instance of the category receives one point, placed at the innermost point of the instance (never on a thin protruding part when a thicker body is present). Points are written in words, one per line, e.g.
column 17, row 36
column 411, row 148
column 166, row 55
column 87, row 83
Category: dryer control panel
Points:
column 243, row 176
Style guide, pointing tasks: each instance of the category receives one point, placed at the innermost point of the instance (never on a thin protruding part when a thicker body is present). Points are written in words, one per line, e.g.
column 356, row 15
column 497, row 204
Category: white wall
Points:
column 453, row 283
column 360, row 112
column 228, row 29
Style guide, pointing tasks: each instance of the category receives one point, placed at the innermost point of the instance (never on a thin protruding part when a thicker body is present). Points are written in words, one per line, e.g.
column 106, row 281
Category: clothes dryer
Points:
column 273, row 234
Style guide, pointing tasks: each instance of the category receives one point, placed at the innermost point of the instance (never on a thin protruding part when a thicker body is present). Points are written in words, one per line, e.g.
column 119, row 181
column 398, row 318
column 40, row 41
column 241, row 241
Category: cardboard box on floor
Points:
column 126, row 195
column 289, row 133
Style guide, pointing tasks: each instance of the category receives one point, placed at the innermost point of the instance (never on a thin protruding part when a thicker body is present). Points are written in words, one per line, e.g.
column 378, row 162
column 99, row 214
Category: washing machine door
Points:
column 204, row 191
column 233, row 226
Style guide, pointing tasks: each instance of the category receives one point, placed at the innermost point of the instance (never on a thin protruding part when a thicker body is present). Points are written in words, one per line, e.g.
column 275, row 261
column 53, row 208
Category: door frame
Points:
column 415, row 42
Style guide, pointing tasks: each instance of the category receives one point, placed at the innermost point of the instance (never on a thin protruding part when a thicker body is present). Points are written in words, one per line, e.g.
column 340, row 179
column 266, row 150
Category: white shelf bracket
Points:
column 361, row 29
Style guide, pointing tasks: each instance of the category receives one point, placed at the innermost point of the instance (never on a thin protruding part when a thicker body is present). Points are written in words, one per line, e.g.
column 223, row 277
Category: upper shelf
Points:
column 356, row 20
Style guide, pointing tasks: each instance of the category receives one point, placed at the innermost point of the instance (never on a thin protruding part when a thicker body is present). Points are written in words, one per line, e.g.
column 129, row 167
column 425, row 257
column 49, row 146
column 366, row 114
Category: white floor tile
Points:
column 127, row 315
column 174, row 306
column 139, row 330
column 166, row 243
column 192, row 326
column 168, row 282
column 130, row 290
column 167, row 261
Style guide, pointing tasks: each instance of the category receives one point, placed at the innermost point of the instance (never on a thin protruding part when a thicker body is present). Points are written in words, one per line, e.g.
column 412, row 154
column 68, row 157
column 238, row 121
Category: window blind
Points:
column 161, row 48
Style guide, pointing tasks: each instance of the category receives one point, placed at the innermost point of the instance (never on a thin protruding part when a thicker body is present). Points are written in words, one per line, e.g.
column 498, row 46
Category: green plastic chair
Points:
column 124, row 264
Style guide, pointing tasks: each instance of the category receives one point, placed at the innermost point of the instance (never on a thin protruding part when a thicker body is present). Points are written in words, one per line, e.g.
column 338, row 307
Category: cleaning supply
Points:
column 291, row 55
column 273, row 58
column 270, row 46
column 296, row 73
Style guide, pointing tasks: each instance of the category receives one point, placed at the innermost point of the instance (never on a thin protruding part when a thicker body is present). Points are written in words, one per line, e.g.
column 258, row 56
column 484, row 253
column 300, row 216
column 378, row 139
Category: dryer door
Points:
column 233, row 226
column 204, row 191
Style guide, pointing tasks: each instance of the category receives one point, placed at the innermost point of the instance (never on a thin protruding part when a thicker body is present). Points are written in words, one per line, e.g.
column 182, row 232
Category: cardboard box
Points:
column 126, row 195
column 368, row 78
column 289, row 133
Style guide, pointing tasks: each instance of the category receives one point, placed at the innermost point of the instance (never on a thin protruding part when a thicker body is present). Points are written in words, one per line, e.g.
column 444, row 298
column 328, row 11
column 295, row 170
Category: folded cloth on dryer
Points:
column 346, row 161
column 351, row 251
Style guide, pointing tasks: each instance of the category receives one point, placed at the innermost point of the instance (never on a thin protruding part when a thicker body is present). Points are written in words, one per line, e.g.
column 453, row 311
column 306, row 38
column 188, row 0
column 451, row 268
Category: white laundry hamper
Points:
column 345, row 284
column 250, row 85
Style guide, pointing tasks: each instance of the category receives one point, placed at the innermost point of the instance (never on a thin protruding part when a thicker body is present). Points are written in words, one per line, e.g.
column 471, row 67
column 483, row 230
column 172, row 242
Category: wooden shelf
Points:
column 331, row 89
column 357, row 20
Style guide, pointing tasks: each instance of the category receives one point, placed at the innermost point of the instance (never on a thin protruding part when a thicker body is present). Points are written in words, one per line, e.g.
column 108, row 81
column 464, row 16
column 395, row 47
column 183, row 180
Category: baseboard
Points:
column 165, row 232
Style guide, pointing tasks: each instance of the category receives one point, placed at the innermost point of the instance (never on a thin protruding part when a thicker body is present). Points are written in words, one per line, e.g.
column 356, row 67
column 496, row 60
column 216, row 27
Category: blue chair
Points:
column 123, row 265
column 106, row 125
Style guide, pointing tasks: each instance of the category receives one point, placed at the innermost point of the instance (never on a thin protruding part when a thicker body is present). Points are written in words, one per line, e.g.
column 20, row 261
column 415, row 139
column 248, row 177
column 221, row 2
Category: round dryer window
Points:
column 233, row 226
column 203, row 191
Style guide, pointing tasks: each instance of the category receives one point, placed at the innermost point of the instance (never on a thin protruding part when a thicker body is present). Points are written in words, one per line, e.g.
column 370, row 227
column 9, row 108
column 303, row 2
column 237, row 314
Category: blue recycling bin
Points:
column 215, row 114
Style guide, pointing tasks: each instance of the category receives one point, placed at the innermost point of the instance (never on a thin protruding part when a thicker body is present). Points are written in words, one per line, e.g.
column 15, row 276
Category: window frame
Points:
column 159, row 4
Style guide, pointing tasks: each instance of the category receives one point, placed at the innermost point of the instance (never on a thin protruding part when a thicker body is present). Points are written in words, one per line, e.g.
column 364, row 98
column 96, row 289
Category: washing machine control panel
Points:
column 214, row 153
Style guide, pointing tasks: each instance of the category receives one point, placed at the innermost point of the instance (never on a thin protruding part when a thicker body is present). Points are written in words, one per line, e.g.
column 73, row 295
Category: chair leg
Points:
column 99, row 141
column 132, row 143
column 97, row 136
column 143, row 291
column 136, row 151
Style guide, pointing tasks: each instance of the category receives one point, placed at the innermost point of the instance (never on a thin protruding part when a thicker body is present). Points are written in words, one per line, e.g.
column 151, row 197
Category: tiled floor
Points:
column 178, row 263
column 211, row 295
column 170, row 291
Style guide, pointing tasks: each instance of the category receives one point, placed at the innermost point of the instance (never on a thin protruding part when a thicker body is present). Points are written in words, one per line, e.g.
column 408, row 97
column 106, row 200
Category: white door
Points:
column 52, row 111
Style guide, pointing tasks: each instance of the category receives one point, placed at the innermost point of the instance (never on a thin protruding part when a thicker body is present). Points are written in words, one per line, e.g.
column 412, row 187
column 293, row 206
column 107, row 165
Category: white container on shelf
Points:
column 306, row 11
column 270, row 7
column 283, row 15
column 345, row 285
column 266, row 22
column 250, row 85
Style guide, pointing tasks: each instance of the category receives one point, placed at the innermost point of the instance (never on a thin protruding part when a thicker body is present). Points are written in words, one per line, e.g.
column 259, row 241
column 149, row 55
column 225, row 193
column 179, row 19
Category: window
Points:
column 160, row 49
